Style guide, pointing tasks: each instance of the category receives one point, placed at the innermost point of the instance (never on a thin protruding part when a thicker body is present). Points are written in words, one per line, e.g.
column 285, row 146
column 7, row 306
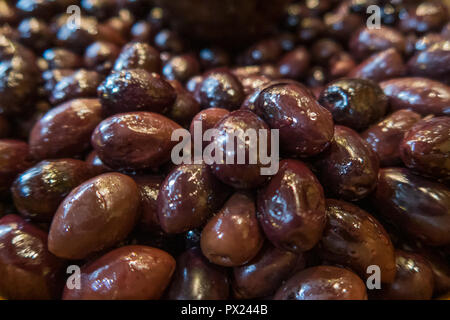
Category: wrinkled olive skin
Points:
column 135, row 140
column 426, row 148
column 60, row 58
column 135, row 90
column 294, row 64
column 305, row 127
column 424, row 17
column 348, row 169
column 94, row 216
column 196, row 278
column 240, row 176
column 355, row 103
column 181, row 68
column 422, row 95
column 416, row 205
column 355, row 239
column 323, row 283
column 414, row 279
column 128, row 273
column 367, row 41
column 65, row 130
column 27, row 269
column 381, row 66
column 220, row 89
column 14, row 159
column 233, row 237
column 149, row 186
column 189, row 195
column 386, row 136
column 185, row 106
column 434, row 62
column 264, row 274
column 138, row 55
column 81, row 84
column 291, row 208
column 100, row 56
column 38, row 191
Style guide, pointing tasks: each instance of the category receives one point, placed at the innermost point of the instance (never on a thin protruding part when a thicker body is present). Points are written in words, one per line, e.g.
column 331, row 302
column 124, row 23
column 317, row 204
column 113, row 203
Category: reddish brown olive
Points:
column 233, row 236
column 127, row 273
column 14, row 159
column 149, row 186
column 94, row 216
column 138, row 55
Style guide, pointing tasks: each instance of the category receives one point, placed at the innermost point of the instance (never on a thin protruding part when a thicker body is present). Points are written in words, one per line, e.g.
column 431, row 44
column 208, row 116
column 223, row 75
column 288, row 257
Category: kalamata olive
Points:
column 426, row 147
column 367, row 41
column 138, row 55
column 28, row 270
column 385, row 136
column 167, row 40
column 100, row 56
column 122, row 21
column 294, row 64
column 193, row 83
column 5, row 127
column 434, row 62
column 18, row 78
column 94, row 216
column 220, row 89
column 127, row 273
column 440, row 267
column 317, row 76
column 189, row 195
column 380, row 66
column 89, row 31
column 149, row 186
column 233, row 236
column 38, row 191
column 414, row 279
column 14, row 159
column 195, row 278
column 135, row 90
column 37, row 8
column 181, row 68
column 254, row 82
column 96, row 165
column 142, row 31
column 213, row 58
column 348, row 169
column 81, row 84
column 291, row 208
column 424, row 17
column 52, row 77
column 416, row 205
column 341, row 25
column 305, row 127
column 101, row 9
column 234, row 156
column 421, row 95
column 310, row 29
column 355, row 103
column 8, row 14
column 323, row 50
column 264, row 51
column 427, row 41
column 264, row 274
column 65, row 130
column 134, row 140
column 208, row 118
column 185, row 106
column 340, row 65
column 323, row 283
column 355, row 239
column 60, row 58
column 35, row 33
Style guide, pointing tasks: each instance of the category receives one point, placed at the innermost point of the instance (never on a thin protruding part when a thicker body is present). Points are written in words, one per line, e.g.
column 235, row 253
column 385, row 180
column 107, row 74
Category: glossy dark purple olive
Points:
column 233, row 237
column 355, row 239
column 323, row 283
column 386, row 136
column 305, row 127
column 167, row 40
column 149, row 186
column 135, row 90
column 181, row 68
column 434, row 62
column 424, row 17
column 294, row 64
column 60, row 58
column 418, row 206
column 355, row 103
column 348, row 169
column 15, row 158
column 35, row 33
column 138, row 55
column 100, row 56
column 38, row 191
column 291, row 208
column 189, row 195
column 426, row 147
column 195, row 278
column 213, row 58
